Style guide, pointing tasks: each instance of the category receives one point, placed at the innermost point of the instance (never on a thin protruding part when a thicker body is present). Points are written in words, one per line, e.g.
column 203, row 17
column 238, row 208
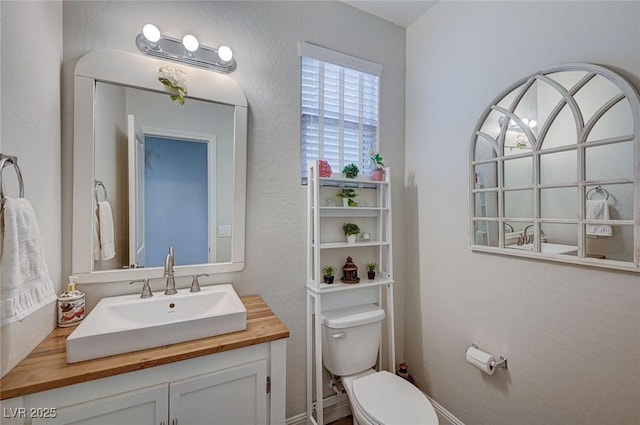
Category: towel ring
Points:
column 6, row 160
column 599, row 189
column 99, row 185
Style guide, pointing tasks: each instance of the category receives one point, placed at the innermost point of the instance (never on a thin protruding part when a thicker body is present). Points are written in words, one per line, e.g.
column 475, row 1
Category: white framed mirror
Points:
column 554, row 169
column 169, row 174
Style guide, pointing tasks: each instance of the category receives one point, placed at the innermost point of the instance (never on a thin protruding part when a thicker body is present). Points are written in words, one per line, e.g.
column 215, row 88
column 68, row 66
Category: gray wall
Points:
column 570, row 333
column 264, row 37
column 31, row 59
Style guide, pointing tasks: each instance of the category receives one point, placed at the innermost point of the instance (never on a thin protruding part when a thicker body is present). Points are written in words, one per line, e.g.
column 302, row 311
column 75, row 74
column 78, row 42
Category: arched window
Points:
column 554, row 169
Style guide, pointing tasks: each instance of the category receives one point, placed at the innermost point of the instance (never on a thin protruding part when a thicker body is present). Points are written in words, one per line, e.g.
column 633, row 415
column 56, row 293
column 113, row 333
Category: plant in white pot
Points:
column 347, row 194
column 351, row 230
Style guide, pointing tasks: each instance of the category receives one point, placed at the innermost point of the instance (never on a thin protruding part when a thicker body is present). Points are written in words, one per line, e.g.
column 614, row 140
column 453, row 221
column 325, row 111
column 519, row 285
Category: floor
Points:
column 344, row 421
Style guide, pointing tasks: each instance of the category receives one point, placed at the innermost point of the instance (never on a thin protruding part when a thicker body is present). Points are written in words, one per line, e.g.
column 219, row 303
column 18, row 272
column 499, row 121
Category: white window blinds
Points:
column 339, row 109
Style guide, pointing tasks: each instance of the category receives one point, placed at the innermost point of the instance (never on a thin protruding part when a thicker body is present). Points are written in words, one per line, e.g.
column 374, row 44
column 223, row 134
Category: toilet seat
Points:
column 386, row 399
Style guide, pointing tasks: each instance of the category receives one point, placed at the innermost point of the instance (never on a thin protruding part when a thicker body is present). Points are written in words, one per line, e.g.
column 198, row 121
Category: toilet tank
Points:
column 351, row 338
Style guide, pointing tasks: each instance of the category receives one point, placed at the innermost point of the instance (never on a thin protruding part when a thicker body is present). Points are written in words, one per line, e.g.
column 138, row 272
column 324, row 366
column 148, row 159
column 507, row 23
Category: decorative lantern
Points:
column 350, row 272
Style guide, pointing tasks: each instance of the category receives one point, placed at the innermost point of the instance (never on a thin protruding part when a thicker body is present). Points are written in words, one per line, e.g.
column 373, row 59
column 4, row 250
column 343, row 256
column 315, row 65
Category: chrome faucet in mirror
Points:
column 169, row 262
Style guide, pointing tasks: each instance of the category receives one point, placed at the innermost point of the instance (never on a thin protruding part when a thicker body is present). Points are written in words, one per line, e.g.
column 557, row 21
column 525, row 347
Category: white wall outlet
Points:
column 224, row 231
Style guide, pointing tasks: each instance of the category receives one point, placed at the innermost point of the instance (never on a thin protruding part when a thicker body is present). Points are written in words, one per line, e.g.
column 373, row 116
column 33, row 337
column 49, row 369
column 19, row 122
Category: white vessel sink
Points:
column 129, row 323
column 548, row 248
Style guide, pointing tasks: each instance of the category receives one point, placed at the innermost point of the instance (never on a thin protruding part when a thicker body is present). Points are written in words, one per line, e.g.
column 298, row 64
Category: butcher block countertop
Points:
column 46, row 367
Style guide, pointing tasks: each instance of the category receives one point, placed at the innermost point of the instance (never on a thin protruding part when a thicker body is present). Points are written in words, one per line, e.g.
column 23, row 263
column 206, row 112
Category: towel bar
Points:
column 6, row 160
column 599, row 189
column 98, row 185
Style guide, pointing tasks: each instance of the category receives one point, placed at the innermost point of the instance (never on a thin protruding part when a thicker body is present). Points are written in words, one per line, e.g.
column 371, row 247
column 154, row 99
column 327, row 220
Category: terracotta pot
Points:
column 377, row 175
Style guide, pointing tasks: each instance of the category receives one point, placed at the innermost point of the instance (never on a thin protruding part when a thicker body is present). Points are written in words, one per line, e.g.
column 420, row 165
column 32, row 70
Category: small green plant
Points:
column 350, row 171
column 372, row 267
column 347, row 192
column 351, row 203
column 328, row 270
column 350, row 229
column 377, row 160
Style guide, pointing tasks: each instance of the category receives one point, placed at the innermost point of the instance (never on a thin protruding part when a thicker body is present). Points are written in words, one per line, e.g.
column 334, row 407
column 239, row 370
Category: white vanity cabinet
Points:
column 242, row 386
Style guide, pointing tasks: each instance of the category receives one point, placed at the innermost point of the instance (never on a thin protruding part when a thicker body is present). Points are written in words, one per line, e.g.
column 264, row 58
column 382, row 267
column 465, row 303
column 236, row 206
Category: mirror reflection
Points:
column 554, row 168
column 167, row 171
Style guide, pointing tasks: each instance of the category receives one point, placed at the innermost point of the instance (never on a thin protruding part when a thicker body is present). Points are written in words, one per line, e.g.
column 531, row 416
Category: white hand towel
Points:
column 598, row 209
column 26, row 285
column 96, row 236
column 107, row 246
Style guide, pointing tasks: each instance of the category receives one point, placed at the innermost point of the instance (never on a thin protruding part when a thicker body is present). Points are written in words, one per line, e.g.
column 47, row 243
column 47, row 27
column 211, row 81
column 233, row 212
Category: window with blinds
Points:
column 339, row 109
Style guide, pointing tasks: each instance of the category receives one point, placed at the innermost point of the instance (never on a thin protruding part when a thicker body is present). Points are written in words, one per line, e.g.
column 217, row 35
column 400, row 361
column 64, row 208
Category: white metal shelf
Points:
column 324, row 223
column 363, row 182
column 334, row 245
column 351, row 211
column 337, row 285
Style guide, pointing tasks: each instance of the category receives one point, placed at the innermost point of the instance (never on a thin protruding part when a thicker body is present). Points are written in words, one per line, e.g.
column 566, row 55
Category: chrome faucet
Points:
column 146, row 289
column 527, row 239
column 168, row 273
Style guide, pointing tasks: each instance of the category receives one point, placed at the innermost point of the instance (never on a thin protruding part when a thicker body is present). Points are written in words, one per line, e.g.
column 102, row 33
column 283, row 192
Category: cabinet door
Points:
column 145, row 406
column 234, row 396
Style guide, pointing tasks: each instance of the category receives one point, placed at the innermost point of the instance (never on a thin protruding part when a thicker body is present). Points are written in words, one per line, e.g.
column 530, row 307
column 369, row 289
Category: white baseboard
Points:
column 331, row 413
column 342, row 409
column 444, row 414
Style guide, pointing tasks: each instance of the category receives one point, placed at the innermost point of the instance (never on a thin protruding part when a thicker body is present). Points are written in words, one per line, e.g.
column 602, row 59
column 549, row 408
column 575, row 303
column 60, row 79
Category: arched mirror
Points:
column 150, row 172
column 554, row 169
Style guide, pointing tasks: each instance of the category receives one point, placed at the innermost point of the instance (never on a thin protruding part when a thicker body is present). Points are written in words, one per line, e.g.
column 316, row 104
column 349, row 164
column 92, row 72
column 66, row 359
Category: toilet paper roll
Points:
column 483, row 361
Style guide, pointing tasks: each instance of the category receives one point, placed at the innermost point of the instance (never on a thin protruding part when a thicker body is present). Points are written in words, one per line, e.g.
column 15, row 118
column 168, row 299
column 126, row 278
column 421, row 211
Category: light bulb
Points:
column 525, row 120
column 151, row 33
column 532, row 123
column 225, row 53
column 190, row 43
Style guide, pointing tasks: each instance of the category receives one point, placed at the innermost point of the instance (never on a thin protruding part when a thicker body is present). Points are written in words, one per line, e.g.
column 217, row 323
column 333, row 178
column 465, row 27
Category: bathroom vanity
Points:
column 232, row 378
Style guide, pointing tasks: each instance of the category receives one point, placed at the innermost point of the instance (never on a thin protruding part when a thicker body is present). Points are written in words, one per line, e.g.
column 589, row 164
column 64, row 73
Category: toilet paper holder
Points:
column 502, row 363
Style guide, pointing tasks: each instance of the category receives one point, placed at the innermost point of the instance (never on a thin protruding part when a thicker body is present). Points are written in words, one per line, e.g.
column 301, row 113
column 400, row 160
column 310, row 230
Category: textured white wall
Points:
column 31, row 59
column 570, row 333
column 264, row 37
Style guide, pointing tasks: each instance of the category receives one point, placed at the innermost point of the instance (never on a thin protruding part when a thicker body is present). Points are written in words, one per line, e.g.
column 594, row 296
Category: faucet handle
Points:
column 195, row 284
column 146, row 289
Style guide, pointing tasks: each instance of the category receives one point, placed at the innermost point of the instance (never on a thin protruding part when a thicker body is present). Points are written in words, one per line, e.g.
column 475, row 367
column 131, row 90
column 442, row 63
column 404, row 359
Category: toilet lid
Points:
column 387, row 399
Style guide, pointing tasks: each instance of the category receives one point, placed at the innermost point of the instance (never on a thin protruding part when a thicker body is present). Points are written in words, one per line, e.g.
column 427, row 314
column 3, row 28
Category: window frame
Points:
column 366, row 71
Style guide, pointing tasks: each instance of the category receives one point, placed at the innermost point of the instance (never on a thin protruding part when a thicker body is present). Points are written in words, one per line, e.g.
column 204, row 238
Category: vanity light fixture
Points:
column 514, row 126
column 188, row 50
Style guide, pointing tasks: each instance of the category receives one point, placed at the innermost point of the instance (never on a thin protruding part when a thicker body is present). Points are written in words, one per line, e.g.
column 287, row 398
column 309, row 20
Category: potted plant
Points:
column 350, row 171
column 351, row 230
column 372, row 268
column 347, row 194
column 378, row 172
column 329, row 273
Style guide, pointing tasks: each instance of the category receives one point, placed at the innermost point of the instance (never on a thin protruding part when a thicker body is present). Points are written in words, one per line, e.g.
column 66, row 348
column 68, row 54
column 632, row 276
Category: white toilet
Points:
column 350, row 342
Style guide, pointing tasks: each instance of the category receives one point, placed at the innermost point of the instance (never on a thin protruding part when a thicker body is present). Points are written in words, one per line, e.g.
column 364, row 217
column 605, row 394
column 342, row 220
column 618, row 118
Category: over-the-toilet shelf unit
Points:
column 327, row 245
